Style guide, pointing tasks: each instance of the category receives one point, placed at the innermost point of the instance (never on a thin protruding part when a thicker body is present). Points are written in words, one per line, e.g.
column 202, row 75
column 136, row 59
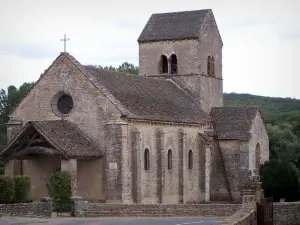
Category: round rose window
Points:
column 65, row 104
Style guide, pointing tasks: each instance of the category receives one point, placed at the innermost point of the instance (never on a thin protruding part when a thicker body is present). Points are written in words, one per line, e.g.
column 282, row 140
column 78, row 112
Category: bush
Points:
column 60, row 188
column 280, row 180
column 6, row 189
column 22, row 187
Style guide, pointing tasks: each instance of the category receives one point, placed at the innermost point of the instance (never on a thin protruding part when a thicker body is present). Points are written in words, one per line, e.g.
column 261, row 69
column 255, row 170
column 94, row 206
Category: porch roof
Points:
column 63, row 138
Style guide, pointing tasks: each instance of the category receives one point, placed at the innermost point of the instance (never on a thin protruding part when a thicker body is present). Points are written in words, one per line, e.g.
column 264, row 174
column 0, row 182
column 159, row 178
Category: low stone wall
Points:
column 161, row 210
column 246, row 215
column 286, row 213
column 34, row 209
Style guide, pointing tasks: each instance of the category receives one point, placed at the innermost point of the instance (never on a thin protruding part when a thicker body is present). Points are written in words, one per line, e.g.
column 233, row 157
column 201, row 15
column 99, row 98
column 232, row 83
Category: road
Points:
column 111, row 221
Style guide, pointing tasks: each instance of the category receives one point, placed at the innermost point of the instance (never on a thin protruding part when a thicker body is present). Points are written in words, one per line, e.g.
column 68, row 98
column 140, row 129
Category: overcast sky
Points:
column 261, row 38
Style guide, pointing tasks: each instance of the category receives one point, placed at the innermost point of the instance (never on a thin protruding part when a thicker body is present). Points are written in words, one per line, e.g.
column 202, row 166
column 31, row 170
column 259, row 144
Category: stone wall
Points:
column 35, row 209
column 286, row 213
column 161, row 210
column 246, row 215
column 260, row 139
column 159, row 184
column 185, row 50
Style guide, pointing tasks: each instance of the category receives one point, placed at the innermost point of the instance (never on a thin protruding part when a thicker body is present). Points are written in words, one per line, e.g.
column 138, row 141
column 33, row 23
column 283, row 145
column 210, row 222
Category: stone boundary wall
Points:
column 34, row 209
column 246, row 215
column 161, row 210
column 286, row 213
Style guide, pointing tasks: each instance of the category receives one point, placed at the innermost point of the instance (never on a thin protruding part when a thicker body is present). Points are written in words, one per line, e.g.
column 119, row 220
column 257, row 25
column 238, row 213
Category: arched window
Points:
column 169, row 159
column 210, row 65
column 173, row 64
column 163, row 64
column 146, row 159
column 257, row 157
column 190, row 159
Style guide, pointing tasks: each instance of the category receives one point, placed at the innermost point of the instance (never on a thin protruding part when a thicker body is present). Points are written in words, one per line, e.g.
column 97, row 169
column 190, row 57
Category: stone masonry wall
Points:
column 232, row 157
column 159, row 184
column 259, row 136
column 246, row 215
column 96, row 209
column 35, row 209
column 185, row 50
column 286, row 213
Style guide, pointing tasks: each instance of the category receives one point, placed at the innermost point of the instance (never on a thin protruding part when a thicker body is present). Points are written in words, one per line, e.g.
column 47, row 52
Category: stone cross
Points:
column 65, row 39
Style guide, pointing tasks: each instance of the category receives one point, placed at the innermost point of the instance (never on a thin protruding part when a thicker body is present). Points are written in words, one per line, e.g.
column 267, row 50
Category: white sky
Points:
column 261, row 38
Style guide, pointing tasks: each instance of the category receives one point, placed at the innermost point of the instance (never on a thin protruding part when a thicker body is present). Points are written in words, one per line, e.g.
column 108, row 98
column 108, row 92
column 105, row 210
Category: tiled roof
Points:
column 174, row 25
column 64, row 136
column 233, row 123
column 148, row 98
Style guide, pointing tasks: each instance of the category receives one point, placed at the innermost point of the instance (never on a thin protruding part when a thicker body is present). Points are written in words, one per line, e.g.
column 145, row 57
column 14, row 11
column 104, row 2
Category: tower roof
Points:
column 174, row 25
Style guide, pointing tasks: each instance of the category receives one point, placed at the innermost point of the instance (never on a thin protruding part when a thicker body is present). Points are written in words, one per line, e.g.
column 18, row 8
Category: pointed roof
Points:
column 64, row 138
column 174, row 25
column 233, row 123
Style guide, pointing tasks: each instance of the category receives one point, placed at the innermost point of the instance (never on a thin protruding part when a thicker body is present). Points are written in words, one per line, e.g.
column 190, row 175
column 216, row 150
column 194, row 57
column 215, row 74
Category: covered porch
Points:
column 45, row 147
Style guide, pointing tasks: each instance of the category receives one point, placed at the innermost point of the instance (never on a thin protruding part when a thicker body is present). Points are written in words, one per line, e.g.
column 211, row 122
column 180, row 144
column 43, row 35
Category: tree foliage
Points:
column 8, row 101
column 125, row 67
column 280, row 179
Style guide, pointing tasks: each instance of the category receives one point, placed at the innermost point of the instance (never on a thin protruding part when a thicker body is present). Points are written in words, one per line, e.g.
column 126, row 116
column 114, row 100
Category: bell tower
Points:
column 187, row 48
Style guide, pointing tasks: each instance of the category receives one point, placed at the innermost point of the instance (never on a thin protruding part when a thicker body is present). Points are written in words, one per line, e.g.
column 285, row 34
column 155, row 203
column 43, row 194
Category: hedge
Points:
column 60, row 189
column 22, row 187
column 6, row 189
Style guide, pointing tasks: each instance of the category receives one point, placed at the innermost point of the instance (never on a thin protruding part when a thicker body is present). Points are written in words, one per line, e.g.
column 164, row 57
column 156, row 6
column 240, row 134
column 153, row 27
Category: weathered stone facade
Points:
column 149, row 139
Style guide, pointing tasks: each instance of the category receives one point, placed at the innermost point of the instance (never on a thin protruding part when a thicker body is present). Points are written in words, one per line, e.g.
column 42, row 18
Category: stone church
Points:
column 162, row 136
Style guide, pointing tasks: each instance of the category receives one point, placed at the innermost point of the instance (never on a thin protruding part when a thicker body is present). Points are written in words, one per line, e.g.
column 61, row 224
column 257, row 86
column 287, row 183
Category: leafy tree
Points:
column 8, row 101
column 125, row 67
column 284, row 144
column 280, row 179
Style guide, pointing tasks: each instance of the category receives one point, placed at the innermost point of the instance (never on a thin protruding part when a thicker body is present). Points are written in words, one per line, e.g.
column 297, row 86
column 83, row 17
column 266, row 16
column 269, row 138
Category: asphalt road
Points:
column 112, row 221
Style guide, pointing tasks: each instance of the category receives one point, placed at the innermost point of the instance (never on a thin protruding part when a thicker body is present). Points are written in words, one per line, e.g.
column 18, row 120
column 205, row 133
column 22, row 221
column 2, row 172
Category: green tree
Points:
column 125, row 67
column 8, row 101
column 284, row 144
column 280, row 179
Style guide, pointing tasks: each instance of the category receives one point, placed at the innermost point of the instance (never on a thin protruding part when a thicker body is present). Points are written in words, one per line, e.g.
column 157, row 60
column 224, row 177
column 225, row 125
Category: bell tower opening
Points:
column 173, row 64
column 163, row 64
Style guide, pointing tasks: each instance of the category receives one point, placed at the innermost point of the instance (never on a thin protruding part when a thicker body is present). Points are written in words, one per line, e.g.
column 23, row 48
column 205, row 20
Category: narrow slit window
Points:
column 169, row 159
column 190, row 160
column 146, row 159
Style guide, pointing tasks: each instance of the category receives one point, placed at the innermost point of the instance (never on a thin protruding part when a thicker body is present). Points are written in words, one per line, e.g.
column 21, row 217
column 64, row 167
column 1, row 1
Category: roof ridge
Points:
column 185, row 11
